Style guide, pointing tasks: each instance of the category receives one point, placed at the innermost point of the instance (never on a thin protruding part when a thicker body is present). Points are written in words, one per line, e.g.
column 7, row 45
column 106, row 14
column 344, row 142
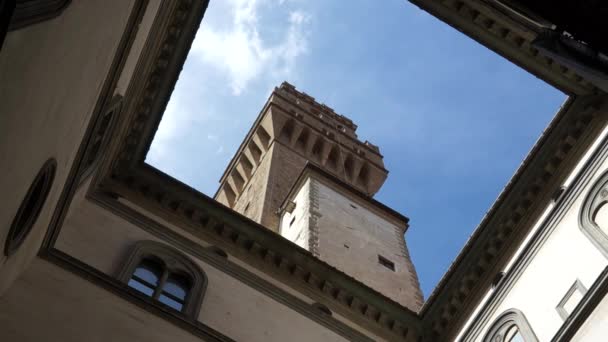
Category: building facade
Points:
column 100, row 246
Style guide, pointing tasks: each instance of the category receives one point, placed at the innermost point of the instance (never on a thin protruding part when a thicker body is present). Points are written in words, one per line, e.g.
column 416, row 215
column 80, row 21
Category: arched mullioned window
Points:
column 511, row 326
column 593, row 219
column 165, row 275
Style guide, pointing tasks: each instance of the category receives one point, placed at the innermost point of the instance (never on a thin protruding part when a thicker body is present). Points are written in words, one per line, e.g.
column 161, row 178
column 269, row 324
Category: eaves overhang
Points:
column 510, row 36
column 506, row 224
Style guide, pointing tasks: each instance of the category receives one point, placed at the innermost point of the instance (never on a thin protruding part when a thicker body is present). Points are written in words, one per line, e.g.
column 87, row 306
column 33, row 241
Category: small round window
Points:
column 30, row 207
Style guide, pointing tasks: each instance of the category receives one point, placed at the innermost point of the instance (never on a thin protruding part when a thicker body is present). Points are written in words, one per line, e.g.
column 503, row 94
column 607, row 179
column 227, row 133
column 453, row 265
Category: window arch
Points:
column 592, row 208
column 30, row 207
column 511, row 326
column 165, row 275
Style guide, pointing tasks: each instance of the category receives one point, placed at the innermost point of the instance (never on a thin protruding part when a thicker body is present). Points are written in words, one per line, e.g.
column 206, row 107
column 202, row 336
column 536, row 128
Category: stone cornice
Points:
column 513, row 214
column 273, row 104
column 508, row 36
column 310, row 168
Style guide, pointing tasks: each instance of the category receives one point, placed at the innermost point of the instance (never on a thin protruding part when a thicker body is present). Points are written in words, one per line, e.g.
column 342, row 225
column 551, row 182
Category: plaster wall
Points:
column 596, row 326
column 229, row 305
column 52, row 73
column 51, row 304
column 565, row 256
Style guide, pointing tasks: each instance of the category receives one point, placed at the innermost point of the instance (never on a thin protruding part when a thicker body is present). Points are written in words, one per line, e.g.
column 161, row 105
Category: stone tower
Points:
column 302, row 172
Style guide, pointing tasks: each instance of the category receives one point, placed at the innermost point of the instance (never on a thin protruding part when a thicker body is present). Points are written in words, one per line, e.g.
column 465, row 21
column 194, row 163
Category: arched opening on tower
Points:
column 303, row 140
column 255, row 151
column 363, row 177
column 317, row 149
column 332, row 158
column 348, row 167
column 287, row 130
column 264, row 137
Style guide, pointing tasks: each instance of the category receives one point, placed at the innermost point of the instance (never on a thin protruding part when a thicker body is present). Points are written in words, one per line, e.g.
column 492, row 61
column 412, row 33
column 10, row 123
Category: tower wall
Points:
column 353, row 235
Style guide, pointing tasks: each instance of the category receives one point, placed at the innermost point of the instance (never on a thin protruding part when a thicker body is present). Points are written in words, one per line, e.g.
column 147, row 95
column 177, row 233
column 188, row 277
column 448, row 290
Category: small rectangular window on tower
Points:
column 386, row 263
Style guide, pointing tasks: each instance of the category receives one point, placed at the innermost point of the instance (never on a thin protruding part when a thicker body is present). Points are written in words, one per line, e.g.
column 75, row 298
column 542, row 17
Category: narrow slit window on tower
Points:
column 386, row 263
column 293, row 219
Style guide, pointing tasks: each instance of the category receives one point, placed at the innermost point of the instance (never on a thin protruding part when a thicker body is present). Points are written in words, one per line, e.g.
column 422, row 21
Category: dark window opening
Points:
column 30, row 208
column 386, row 263
column 154, row 280
column 165, row 276
column 353, row 206
column 246, row 208
column 293, row 219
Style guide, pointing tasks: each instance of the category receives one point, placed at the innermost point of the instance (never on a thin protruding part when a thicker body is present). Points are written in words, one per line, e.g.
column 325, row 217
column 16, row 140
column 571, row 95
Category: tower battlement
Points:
column 293, row 129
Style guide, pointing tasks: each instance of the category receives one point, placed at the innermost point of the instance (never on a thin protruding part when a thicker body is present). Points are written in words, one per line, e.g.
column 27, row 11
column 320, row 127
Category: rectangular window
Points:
column 293, row 219
column 386, row 263
column 571, row 299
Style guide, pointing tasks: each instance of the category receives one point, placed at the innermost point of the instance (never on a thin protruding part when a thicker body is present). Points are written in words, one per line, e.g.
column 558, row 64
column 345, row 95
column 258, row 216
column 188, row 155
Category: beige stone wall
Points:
column 102, row 240
column 52, row 73
column 51, row 304
column 350, row 236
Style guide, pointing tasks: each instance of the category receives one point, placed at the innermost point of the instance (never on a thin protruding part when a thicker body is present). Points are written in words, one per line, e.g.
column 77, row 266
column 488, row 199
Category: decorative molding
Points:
column 577, row 286
column 508, row 36
column 313, row 219
column 508, row 281
column 120, row 289
column 210, row 256
column 174, row 261
column 100, row 138
column 105, row 95
column 155, row 76
column 595, row 199
column 507, row 321
column 30, row 12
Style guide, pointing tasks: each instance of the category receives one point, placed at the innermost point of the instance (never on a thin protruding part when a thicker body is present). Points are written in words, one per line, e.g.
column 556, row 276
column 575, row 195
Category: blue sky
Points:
column 453, row 119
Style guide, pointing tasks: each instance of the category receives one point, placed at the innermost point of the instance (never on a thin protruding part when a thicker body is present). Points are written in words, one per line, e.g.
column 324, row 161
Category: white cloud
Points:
column 242, row 53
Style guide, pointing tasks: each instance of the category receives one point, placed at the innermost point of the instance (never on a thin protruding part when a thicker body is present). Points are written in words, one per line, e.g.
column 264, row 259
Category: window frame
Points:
column 596, row 197
column 505, row 322
column 577, row 286
column 173, row 262
column 31, row 207
column 102, row 136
